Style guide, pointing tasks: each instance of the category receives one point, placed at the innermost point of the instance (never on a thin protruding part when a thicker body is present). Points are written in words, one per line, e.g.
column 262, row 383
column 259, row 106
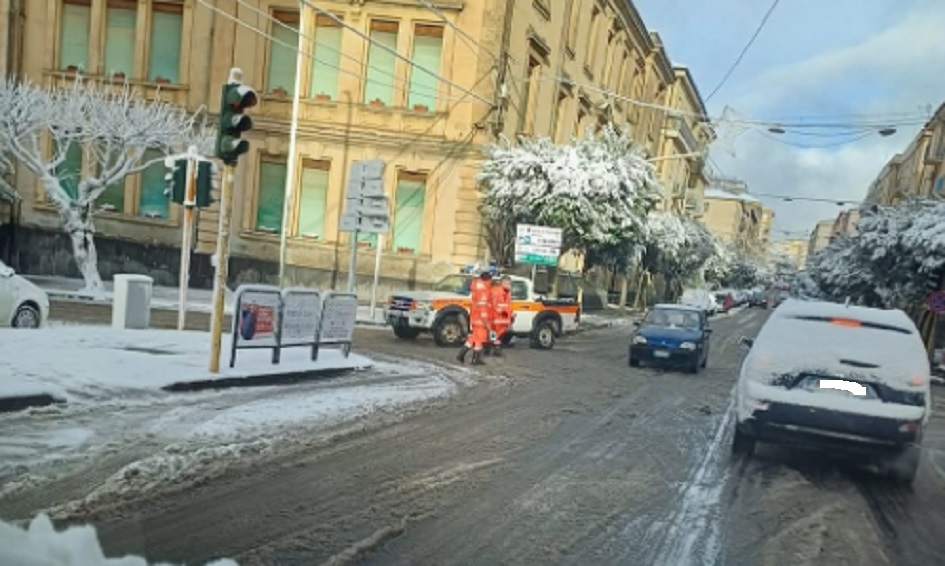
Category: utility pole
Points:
column 235, row 99
column 187, row 237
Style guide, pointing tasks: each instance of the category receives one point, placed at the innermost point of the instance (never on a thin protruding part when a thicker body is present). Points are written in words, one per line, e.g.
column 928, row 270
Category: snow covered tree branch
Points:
column 597, row 190
column 112, row 126
column 677, row 248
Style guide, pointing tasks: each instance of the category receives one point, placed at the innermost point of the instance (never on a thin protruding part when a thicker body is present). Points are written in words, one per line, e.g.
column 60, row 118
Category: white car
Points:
column 844, row 379
column 22, row 304
column 700, row 298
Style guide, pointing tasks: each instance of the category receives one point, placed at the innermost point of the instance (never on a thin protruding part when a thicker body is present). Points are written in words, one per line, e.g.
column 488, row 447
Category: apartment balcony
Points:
column 678, row 127
column 173, row 93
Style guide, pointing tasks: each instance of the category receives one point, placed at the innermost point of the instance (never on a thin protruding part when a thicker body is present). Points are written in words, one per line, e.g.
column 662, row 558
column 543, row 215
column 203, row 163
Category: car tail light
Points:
column 846, row 322
column 918, row 380
column 910, row 427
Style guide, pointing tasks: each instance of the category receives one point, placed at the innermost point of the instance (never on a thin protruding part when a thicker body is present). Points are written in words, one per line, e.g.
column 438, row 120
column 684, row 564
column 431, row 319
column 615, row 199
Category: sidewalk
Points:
column 91, row 364
column 165, row 298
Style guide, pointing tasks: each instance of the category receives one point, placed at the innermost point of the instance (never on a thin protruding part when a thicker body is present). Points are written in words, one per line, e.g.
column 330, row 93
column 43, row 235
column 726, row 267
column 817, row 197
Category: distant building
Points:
column 820, row 236
column 845, row 224
column 735, row 216
column 794, row 249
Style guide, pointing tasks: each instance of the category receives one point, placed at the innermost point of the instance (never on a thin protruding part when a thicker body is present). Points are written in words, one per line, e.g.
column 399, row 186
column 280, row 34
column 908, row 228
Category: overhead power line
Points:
column 741, row 55
column 467, row 39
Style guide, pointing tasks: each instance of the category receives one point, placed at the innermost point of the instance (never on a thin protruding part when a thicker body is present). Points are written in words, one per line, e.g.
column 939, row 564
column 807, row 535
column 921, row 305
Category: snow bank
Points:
column 42, row 545
column 78, row 362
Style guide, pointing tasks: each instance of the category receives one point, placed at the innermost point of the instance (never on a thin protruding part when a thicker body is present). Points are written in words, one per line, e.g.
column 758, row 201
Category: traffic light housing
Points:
column 177, row 181
column 235, row 99
column 205, row 171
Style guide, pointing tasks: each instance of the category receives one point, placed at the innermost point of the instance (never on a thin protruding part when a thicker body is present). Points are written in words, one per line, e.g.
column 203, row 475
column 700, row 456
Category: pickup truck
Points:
column 444, row 312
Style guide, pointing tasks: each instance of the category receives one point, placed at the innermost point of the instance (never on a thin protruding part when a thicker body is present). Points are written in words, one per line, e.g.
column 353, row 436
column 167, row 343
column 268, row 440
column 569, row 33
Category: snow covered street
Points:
column 154, row 440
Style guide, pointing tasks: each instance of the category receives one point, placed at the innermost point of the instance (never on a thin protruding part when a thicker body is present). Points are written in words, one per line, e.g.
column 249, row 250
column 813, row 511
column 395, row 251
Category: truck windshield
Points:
column 453, row 284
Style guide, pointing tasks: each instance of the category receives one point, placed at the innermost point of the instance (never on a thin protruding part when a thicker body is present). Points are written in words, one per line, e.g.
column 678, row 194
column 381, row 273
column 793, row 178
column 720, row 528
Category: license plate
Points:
column 660, row 354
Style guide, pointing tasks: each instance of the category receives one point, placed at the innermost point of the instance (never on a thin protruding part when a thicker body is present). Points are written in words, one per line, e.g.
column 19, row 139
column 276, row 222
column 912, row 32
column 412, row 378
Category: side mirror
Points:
column 745, row 342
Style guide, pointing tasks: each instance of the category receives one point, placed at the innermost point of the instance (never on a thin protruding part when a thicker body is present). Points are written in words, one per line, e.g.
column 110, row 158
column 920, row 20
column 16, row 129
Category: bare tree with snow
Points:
column 114, row 128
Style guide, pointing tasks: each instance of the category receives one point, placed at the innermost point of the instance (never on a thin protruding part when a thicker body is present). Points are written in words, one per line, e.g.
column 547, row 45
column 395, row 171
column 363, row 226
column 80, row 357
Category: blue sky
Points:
column 815, row 58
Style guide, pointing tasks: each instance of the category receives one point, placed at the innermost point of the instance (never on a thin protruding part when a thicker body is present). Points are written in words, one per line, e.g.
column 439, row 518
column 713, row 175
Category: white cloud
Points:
column 895, row 70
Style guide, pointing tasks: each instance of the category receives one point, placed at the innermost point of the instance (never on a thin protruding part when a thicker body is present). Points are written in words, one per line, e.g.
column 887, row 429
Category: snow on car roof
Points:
column 801, row 336
column 793, row 308
column 676, row 307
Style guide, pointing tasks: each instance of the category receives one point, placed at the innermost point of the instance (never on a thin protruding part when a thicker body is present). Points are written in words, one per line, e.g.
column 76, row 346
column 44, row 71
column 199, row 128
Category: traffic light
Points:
column 177, row 181
column 205, row 172
column 236, row 98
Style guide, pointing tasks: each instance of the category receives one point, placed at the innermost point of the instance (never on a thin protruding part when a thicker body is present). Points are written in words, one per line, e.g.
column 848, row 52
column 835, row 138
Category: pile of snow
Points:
column 41, row 545
column 78, row 362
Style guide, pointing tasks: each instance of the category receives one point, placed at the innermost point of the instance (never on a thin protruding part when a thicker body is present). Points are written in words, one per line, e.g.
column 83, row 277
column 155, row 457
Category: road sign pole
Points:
column 222, row 257
column 187, row 236
column 377, row 273
column 353, row 261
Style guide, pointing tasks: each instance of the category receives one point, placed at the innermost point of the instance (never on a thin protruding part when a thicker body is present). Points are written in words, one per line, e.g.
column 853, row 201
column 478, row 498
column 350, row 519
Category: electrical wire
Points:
column 741, row 55
column 790, row 198
column 467, row 39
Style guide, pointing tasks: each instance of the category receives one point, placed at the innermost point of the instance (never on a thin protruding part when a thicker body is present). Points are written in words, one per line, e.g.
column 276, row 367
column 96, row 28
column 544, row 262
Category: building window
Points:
column 167, row 22
column 562, row 117
column 591, row 56
column 381, row 64
column 530, row 97
column 427, row 52
column 313, row 197
column 69, row 172
column 326, row 60
column 152, row 202
column 408, row 212
column 74, row 34
column 270, row 196
column 280, row 76
column 120, row 22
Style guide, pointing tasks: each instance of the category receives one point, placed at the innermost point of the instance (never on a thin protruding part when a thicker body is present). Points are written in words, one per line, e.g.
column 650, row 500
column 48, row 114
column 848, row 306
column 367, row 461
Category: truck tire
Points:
column 405, row 332
column 543, row 335
column 450, row 331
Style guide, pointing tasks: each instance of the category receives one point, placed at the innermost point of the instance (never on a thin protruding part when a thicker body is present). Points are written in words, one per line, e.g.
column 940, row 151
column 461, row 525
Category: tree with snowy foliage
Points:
column 676, row 248
column 111, row 126
column 598, row 190
column 897, row 252
column 721, row 264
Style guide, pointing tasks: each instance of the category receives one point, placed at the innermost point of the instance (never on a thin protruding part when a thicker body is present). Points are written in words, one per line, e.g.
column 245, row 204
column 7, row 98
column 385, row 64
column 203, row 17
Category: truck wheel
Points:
column 506, row 338
column 404, row 332
column 449, row 331
column 543, row 335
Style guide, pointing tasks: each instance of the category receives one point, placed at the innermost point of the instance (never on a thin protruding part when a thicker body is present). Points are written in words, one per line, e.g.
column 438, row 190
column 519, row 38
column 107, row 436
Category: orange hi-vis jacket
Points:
column 501, row 306
column 480, row 311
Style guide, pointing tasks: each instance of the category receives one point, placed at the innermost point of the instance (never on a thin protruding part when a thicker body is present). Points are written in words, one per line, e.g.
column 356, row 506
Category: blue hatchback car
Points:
column 673, row 335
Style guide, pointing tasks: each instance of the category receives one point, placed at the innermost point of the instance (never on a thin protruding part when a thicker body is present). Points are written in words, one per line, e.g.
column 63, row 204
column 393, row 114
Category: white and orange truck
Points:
column 443, row 311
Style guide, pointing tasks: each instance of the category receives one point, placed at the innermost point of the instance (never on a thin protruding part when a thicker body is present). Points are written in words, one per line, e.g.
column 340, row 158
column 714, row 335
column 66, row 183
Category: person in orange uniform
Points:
column 501, row 312
column 480, row 323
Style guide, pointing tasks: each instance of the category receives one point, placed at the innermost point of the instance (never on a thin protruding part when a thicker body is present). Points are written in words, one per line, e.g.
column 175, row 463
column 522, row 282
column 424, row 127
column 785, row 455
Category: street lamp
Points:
column 291, row 170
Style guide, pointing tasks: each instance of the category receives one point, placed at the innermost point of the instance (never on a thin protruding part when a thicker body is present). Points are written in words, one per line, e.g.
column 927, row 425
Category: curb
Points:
column 13, row 404
column 262, row 380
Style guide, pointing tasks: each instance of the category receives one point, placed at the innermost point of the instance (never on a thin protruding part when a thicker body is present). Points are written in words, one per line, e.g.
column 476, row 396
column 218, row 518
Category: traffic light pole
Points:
column 187, row 237
column 222, row 261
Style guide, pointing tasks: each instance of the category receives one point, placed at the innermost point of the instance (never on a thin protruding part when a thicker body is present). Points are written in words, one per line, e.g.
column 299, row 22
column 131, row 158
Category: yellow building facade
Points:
column 737, row 218
column 541, row 68
column 918, row 171
column 794, row 249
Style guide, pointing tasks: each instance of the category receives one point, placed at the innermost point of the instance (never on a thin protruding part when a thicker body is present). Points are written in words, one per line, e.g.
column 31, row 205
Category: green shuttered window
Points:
column 69, row 171
column 167, row 22
column 120, row 22
column 327, row 59
column 271, row 196
column 408, row 212
column 152, row 202
column 282, row 55
column 378, row 84
column 427, row 52
column 313, row 198
column 75, row 22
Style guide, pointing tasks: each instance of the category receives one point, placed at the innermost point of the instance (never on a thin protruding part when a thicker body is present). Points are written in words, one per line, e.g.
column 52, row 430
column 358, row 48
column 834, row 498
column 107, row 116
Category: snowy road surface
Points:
column 565, row 457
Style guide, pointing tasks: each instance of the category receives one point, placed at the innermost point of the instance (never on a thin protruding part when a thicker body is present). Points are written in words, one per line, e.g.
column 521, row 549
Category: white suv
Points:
column 844, row 379
column 22, row 304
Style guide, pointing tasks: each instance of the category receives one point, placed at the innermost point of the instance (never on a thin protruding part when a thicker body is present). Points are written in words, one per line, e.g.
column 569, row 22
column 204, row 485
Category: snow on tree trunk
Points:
column 81, row 231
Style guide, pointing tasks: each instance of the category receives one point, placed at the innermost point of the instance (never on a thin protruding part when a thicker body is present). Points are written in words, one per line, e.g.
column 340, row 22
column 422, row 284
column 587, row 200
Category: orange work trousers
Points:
column 478, row 336
column 500, row 328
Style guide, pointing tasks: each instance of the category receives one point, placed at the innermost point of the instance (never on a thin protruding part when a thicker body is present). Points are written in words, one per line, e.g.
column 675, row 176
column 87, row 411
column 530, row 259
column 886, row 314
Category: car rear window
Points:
column 853, row 323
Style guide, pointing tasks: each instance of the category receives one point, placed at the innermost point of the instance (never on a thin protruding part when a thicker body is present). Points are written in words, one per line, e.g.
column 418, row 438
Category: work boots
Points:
column 477, row 358
column 497, row 351
column 461, row 356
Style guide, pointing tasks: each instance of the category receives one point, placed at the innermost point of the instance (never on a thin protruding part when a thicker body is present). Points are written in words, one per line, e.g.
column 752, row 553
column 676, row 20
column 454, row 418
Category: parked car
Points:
column 675, row 335
column 757, row 299
column 700, row 298
column 22, row 304
column 843, row 379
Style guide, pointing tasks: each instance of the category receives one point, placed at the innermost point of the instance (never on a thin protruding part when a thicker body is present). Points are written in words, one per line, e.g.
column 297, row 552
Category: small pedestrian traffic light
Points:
column 205, row 172
column 235, row 99
column 177, row 181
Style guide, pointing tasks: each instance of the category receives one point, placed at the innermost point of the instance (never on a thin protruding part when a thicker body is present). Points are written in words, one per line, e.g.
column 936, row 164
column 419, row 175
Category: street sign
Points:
column 936, row 302
column 537, row 245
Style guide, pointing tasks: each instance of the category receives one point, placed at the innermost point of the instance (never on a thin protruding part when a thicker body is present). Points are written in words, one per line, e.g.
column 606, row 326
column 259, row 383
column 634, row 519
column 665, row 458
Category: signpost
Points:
column 339, row 313
column 537, row 245
column 367, row 208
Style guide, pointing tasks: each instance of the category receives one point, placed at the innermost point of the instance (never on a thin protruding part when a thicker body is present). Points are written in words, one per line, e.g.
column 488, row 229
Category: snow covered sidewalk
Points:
column 84, row 364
